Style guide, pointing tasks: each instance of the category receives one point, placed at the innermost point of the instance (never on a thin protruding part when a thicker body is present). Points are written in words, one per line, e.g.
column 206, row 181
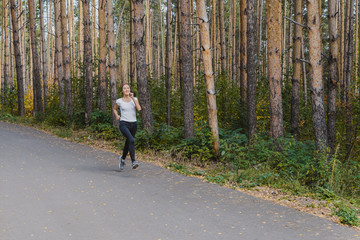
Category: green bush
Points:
column 101, row 125
column 348, row 216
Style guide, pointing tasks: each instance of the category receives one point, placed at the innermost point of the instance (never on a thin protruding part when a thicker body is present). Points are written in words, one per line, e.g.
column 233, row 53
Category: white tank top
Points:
column 127, row 110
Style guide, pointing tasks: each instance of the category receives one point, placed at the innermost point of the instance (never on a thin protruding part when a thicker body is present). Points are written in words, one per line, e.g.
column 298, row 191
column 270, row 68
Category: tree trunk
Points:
column 243, row 51
column 251, row 68
column 168, row 61
column 222, row 36
column 132, row 69
column 38, row 104
column 88, row 61
column 209, row 74
column 333, row 78
column 259, row 27
column 342, row 50
column 102, row 55
column 233, row 63
column 274, row 25
column 142, row 83
column 66, row 60
column 349, row 46
column 186, row 67
column 213, row 34
column 295, row 88
column 5, row 87
column 19, row 66
column 59, row 73
column 72, row 38
column 316, row 86
column 43, row 54
column 81, row 34
column 112, row 58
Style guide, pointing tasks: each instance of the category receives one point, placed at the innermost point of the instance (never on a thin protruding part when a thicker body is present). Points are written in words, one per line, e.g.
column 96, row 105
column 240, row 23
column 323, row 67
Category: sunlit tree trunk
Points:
column 17, row 51
column 22, row 41
column 102, row 55
column 259, row 27
column 233, row 58
column 112, row 57
column 66, row 60
column 342, row 49
column 316, row 85
column 333, row 78
column 81, row 34
column 88, row 61
column 274, row 25
column 222, row 36
column 295, row 88
column 38, row 104
column 213, row 34
column 168, row 61
column 132, row 69
column 251, row 67
column 162, row 40
column 6, row 73
column 43, row 56
column 209, row 74
column 49, row 43
column 175, row 61
column 59, row 73
column 243, row 51
column 142, row 83
column 348, row 63
column 186, row 67
column 72, row 37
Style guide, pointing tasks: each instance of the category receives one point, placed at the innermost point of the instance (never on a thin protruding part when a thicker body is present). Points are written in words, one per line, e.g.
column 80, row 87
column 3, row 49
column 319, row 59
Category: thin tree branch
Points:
column 291, row 20
column 302, row 60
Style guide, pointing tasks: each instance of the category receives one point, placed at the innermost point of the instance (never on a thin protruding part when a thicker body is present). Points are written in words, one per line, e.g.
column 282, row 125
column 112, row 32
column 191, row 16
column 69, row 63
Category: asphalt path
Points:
column 51, row 188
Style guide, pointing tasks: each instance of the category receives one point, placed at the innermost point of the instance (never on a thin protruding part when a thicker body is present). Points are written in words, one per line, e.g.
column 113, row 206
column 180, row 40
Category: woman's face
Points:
column 126, row 89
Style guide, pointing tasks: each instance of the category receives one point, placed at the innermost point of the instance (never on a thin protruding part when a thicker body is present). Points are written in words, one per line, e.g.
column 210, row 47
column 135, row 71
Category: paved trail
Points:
column 54, row 189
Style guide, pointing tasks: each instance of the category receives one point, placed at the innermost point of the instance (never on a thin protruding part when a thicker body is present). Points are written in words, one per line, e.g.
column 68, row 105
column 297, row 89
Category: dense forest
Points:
column 271, row 86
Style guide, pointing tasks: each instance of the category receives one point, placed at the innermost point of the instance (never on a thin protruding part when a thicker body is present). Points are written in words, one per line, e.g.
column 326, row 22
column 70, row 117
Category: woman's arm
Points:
column 116, row 107
column 137, row 105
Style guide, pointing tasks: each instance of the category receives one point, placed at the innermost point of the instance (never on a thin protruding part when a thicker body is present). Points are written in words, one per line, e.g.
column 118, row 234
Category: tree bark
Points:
column 209, row 74
column 38, row 104
column 348, row 63
column 112, row 58
column 251, row 68
column 295, row 88
column 19, row 66
column 274, row 25
column 316, row 85
column 243, row 51
column 132, row 60
column 66, row 60
column 59, row 73
column 142, row 83
column 88, row 61
column 102, row 55
column 81, row 34
column 168, row 61
column 6, row 85
column 186, row 67
column 333, row 78
column 222, row 36
column 43, row 58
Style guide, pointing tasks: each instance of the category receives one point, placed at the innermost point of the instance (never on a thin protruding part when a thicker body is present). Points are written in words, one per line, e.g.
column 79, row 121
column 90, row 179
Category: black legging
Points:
column 128, row 129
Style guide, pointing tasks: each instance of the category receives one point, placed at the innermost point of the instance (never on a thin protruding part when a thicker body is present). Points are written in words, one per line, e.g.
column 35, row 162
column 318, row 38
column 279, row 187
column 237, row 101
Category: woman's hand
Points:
column 131, row 95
